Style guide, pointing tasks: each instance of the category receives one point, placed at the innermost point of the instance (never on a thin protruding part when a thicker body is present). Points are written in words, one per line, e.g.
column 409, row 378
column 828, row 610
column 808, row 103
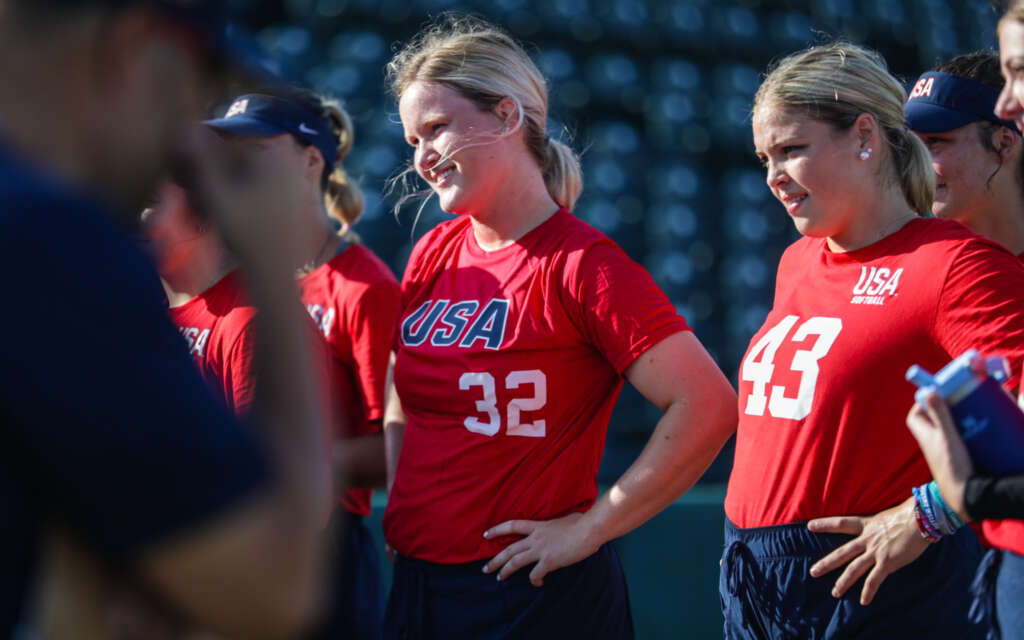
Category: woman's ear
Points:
column 508, row 111
column 1005, row 141
column 865, row 127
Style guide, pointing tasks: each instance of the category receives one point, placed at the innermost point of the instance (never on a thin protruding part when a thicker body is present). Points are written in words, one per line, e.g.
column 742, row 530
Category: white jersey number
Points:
column 489, row 404
column 759, row 365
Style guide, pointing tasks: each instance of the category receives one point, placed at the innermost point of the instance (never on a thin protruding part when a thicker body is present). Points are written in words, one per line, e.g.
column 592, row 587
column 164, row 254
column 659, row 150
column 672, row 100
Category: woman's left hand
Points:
column 885, row 542
column 552, row 544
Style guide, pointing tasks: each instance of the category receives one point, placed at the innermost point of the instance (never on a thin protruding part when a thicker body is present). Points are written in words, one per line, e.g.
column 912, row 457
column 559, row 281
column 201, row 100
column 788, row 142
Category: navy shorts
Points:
column 438, row 602
column 768, row 592
column 999, row 594
column 355, row 598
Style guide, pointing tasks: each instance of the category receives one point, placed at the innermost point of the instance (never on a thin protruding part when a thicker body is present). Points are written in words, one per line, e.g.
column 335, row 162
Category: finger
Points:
column 837, row 558
column 511, row 528
column 852, row 574
column 517, row 562
column 938, row 411
column 871, row 584
column 506, row 553
column 537, row 575
column 851, row 525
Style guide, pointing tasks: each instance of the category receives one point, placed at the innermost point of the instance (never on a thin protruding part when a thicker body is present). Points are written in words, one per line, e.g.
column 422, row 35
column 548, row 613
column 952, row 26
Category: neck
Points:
column 1003, row 220
column 204, row 268
column 319, row 240
column 519, row 208
column 873, row 221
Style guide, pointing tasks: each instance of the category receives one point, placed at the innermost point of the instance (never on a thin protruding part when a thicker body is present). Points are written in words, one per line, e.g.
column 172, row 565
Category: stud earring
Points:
column 865, row 154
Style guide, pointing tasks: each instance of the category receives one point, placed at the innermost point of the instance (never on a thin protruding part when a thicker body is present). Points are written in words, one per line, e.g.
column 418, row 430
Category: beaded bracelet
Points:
column 954, row 519
column 922, row 525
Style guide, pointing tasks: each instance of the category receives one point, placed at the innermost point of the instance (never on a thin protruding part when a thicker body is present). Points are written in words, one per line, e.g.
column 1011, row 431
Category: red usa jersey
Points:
column 354, row 300
column 822, row 394
column 218, row 327
column 508, row 366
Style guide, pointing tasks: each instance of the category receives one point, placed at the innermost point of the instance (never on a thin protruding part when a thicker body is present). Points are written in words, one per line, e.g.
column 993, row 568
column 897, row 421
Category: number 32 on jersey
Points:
column 489, row 403
column 759, row 365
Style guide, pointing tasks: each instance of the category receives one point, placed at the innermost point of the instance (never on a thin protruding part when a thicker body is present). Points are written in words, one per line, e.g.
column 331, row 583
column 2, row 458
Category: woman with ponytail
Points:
column 519, row 324
column 353, row 299
column 870, row 289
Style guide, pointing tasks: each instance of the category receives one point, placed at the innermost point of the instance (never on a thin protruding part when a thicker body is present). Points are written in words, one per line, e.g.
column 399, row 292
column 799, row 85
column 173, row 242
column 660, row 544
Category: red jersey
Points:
column 822, row 394
column 508, row 366
column 217, row 325
column 354, row 300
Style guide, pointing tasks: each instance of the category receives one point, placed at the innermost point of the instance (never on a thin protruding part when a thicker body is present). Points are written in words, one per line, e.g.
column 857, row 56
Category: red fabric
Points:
column 217, row 326
column 537, row 384
column 354, row 300
column 852, row 453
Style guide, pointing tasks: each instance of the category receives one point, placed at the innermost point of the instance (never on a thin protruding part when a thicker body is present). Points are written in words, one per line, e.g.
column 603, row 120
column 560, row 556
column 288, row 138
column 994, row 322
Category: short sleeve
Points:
column 624, row 312
column 980, row 305
column 240, row 370
column 373, row 329
column 115, row 428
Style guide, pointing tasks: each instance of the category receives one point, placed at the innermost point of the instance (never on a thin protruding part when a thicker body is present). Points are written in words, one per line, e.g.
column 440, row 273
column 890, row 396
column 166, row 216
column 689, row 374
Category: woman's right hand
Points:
column 254, row 205
column 943, row 448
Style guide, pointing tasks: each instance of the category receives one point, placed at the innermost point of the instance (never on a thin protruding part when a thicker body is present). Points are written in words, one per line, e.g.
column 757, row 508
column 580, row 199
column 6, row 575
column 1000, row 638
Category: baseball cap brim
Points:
column 246, row 127
column 928, row 117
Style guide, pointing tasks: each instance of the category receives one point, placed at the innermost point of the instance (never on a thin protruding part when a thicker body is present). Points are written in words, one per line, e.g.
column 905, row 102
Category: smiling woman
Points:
column 822, row 381
column 519, row 325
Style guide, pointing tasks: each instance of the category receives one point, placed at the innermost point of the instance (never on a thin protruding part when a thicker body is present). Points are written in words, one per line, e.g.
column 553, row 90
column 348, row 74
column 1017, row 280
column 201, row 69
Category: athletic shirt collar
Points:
column 872, row 251
column 530, row 237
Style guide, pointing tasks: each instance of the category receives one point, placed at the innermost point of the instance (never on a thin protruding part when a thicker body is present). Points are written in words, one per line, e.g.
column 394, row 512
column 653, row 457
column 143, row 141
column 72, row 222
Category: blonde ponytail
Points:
column 343, row 199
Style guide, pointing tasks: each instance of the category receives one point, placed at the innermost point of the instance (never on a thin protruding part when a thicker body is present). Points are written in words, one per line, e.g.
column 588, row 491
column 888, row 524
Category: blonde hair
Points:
column 836, row 83
column 1013, row 12
column 486, row 65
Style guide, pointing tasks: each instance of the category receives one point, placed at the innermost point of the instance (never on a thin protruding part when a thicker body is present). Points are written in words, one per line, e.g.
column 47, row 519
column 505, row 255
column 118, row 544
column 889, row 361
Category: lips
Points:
column 441, row 176
column 792, row 201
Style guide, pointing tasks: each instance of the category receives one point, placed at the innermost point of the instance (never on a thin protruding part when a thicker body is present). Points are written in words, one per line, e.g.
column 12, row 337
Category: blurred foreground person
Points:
column 354, row 301
column 108, row 431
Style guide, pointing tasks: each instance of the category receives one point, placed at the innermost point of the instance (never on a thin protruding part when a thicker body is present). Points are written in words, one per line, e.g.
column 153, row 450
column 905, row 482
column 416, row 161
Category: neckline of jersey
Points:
column 872, row 251
column 476, row 250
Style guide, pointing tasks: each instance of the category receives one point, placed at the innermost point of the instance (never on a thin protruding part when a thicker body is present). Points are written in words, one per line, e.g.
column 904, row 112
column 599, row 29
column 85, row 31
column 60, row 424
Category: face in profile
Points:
column 460, row 150
column 1011, row 59
column 962, row 167
column 171, row 229
column 806, row 161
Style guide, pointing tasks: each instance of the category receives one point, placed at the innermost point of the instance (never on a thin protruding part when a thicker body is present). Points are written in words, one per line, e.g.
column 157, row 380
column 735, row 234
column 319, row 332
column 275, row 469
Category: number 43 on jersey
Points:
column 759, row 365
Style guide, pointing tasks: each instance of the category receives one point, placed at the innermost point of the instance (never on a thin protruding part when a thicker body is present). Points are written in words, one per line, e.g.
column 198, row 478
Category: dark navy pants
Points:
column 768, row 592
column 437, row 602
column 999, row 594
column 355, row 600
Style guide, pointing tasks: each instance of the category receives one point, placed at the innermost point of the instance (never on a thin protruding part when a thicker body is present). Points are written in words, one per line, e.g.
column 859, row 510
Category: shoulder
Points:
column 357, row 263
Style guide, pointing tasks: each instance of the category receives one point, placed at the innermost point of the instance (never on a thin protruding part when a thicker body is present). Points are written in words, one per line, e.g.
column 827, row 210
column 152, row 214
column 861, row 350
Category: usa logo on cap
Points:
column 238, row 108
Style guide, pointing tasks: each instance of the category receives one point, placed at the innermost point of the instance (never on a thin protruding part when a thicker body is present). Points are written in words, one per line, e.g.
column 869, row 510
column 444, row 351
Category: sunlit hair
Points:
column 485, row 65
column 835, row 84
column 1015, row 12
column 342, row 197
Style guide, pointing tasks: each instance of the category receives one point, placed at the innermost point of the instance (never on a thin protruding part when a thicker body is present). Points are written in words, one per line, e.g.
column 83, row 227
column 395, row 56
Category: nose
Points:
column 775, row 176
column 1007, row 106
column 426, row 157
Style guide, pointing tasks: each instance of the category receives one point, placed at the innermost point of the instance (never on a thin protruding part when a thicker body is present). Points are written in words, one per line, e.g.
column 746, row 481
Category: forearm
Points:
column 682, row 447
column 394, row 425
column 988, row 498
column 360, row 462
column 285, row 406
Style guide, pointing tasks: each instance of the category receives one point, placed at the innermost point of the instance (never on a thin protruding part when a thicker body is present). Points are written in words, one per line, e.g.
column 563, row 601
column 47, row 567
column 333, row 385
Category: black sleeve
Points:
column 988, row 498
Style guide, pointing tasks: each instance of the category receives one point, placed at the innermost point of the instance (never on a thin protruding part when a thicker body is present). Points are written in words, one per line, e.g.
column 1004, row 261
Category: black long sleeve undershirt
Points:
column 989, row 498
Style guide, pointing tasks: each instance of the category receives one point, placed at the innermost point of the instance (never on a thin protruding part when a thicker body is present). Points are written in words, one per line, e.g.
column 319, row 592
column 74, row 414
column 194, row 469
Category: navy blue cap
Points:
column 943, row 102
column 257, row 115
